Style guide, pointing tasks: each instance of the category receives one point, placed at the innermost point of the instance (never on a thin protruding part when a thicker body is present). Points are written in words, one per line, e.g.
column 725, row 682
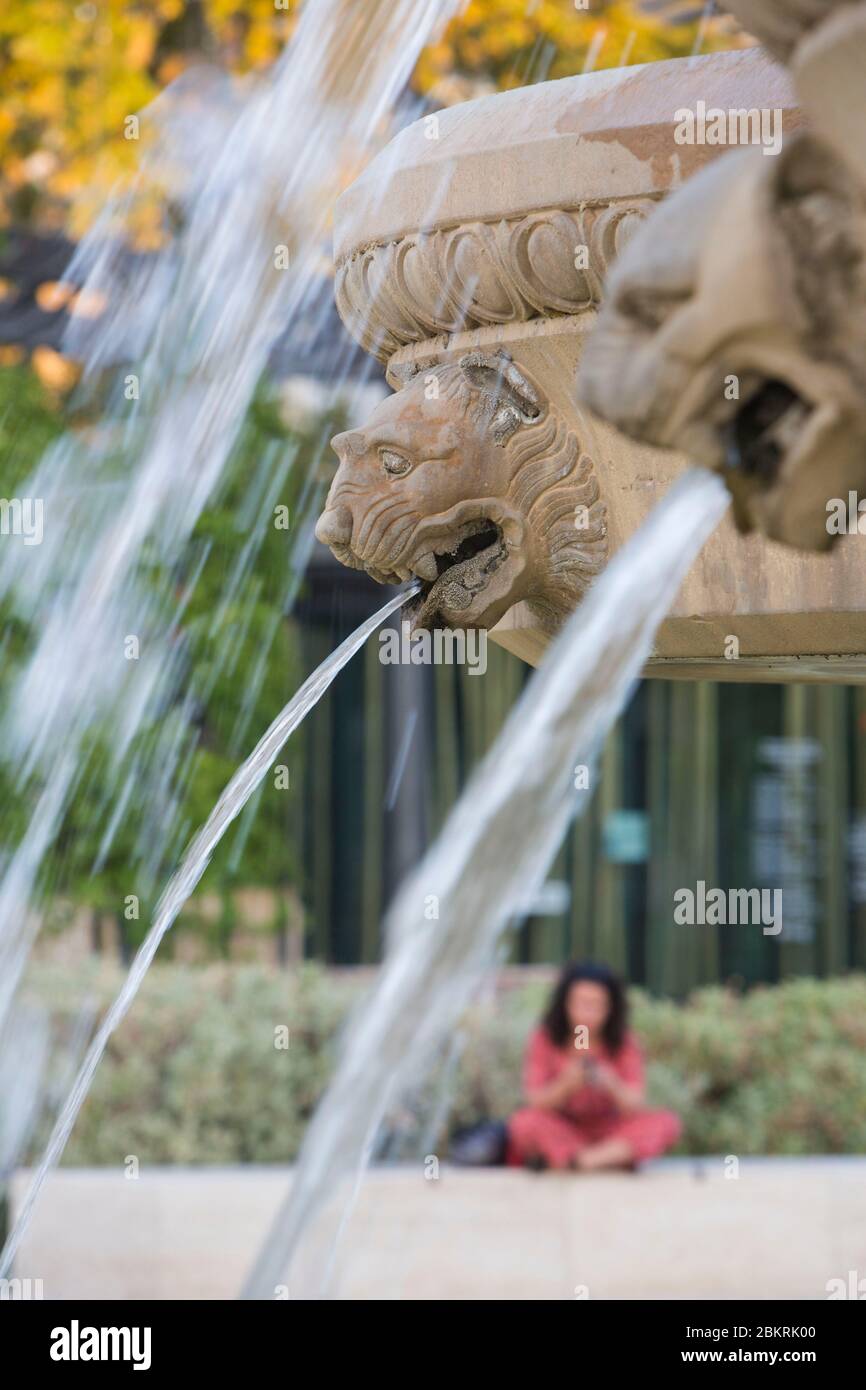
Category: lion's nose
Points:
column 350, row 441
column 334, row 526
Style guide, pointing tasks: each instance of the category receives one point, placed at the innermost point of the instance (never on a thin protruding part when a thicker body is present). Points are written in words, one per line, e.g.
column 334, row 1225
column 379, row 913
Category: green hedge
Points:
column 193, row 1075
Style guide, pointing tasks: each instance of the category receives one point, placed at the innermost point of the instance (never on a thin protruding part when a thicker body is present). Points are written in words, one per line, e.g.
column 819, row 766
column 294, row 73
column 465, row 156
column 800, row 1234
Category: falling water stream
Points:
column 247, row 173
column 489, row 862
column 181, row 885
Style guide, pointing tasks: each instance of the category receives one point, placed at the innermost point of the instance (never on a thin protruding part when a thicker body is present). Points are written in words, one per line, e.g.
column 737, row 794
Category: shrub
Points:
column 193, row 1074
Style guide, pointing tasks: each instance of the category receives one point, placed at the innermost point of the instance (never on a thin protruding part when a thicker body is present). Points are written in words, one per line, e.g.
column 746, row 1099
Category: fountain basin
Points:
column 675, row 1231
column 483, row 234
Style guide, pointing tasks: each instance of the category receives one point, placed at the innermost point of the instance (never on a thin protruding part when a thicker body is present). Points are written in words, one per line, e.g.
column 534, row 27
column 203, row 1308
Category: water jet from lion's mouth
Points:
column 181, row 885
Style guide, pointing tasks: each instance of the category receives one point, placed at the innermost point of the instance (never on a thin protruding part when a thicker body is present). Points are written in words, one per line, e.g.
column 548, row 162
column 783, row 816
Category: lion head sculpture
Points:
column 468, row 480
column 734, row 330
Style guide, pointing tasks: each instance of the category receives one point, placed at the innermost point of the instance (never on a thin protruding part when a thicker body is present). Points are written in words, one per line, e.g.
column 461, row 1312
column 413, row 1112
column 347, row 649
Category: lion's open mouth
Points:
column 763, row 431
column 456, row 569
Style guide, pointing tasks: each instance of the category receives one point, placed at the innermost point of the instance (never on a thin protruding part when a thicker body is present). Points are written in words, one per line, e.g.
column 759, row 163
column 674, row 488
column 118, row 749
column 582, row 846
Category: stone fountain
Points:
column 471, row 259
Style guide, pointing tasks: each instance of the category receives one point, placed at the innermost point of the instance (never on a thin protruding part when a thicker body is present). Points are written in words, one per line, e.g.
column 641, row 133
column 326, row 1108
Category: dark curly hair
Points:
column 555, row 1021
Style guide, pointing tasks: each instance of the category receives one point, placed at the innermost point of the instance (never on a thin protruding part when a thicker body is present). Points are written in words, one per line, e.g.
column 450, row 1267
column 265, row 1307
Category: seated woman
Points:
column 584, row 1083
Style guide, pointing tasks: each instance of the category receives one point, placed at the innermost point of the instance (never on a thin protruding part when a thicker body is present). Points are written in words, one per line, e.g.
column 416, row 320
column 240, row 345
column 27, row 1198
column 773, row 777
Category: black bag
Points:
column 481, row 1146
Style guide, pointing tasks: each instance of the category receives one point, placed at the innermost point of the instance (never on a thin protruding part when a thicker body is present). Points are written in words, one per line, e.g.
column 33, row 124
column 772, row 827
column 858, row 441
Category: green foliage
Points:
column 240, row 662
column 782, row 1070
column 193, row 1076
column 29, row 421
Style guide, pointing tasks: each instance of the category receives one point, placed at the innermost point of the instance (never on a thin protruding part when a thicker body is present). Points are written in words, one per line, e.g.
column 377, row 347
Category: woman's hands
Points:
column 587, row 1070
column 626, row 1098
column 554, row 1094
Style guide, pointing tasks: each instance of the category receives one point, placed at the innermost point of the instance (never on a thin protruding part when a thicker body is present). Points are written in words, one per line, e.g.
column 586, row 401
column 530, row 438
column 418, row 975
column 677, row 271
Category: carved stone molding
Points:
column 482, row 273
column 482, row 225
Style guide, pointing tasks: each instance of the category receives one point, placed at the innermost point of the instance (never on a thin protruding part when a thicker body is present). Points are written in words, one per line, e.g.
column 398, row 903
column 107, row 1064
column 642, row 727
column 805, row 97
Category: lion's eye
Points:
column 394, row 463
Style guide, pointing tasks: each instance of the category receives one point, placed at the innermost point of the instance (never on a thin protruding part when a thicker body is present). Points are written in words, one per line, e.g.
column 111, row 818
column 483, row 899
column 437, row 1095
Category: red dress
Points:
column 588, row 1115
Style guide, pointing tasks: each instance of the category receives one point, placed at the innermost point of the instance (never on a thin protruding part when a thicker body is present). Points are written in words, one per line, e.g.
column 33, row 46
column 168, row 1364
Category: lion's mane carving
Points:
column 468, row 479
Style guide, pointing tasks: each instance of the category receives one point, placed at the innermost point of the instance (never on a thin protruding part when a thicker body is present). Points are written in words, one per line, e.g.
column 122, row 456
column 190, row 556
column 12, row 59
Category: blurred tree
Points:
column 509, row 43
column 239, row 663
column 73, row 72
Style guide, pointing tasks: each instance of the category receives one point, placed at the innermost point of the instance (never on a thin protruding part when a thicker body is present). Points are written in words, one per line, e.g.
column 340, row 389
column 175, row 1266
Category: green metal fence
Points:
column 736, row 786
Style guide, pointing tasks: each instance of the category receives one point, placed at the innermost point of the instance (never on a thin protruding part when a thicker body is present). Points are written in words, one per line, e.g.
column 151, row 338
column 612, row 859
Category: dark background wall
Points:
column 741, row 786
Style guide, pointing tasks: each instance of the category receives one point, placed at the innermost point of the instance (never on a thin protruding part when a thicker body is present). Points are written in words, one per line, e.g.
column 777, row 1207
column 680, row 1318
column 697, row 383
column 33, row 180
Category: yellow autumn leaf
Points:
column 54, row 370
column 140, row 42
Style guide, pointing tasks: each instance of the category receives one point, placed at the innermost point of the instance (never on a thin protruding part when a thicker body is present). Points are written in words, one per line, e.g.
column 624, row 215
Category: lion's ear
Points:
column 510, row 399
column 404, row 372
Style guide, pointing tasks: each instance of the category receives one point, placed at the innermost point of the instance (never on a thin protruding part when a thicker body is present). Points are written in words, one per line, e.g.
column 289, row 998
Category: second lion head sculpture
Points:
column 467, row 479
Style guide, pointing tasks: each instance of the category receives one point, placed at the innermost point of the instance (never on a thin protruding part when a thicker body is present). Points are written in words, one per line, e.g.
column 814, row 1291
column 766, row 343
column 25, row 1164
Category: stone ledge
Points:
column 678, row 1230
